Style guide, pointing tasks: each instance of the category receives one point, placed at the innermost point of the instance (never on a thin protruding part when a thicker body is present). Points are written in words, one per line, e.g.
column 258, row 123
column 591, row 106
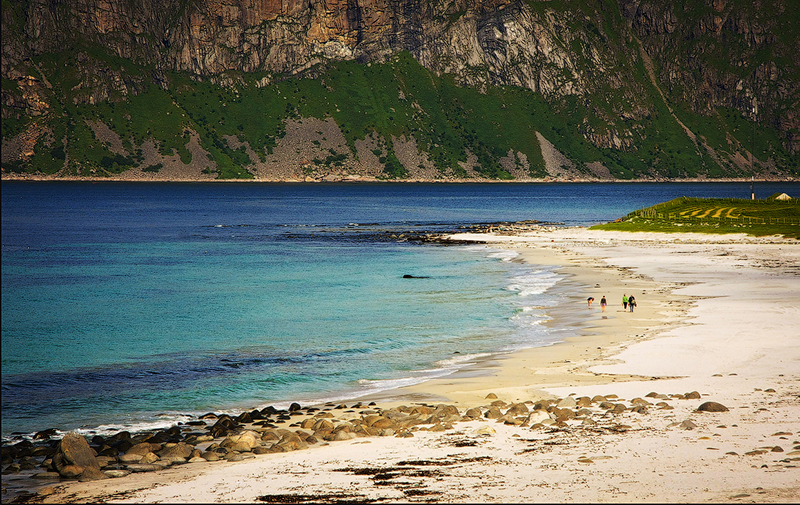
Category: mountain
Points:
column 401, row 89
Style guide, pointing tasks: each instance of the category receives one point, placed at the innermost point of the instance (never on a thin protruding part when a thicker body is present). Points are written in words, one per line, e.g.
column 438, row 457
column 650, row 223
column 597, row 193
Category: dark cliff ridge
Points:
column 610, row 90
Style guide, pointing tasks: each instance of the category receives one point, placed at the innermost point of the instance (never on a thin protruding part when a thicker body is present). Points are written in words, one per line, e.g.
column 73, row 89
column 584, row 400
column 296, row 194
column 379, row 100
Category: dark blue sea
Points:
column 133, row 306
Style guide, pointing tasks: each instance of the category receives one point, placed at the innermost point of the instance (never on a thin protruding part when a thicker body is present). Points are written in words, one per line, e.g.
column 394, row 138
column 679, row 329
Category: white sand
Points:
column 716, row 314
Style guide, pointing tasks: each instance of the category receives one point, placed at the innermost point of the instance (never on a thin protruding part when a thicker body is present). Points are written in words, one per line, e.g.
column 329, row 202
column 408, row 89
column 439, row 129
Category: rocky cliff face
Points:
column 619, row 63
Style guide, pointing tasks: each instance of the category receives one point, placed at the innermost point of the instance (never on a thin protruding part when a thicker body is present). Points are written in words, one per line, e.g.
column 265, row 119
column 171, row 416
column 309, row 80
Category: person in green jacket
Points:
column 624, row 302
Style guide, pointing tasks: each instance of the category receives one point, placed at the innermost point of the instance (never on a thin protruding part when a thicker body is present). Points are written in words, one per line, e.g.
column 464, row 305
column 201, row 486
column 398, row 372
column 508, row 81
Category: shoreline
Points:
column 586, row 330
column 139, row 177
column 690, row 332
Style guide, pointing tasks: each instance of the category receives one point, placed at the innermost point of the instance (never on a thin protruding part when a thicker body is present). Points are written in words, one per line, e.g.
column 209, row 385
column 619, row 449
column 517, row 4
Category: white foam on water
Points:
column 533, row 282
column 504, row 255
column 164, row 421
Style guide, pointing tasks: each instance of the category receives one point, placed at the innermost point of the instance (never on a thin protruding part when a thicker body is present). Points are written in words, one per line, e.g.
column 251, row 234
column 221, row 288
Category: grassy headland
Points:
column 714, row 215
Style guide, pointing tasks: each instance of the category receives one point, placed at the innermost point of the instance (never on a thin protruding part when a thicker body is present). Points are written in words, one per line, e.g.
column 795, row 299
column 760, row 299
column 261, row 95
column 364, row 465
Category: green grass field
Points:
column 714, row 215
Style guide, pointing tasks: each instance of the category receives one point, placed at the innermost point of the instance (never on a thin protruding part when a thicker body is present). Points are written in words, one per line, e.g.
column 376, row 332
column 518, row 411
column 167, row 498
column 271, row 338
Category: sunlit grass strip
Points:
column 715, row 215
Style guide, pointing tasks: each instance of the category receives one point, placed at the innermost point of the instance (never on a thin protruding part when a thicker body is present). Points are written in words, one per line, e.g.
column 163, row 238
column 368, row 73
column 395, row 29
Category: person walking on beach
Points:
column 631, row 302
column 624, row 302
column 603, row 303
column 590, row 300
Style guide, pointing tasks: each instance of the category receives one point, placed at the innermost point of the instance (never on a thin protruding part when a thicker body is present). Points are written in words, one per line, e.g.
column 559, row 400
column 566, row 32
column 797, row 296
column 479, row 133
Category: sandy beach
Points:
column 715, row 321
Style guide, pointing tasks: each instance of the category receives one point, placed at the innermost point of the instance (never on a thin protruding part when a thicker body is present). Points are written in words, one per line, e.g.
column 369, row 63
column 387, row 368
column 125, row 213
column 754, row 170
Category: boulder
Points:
column 141, row 467
column 512, row 421
column 108, row 451
column 474, row 413
column 179, row 450
column 372, row 419
column 518, row 409
column 421, row 410
column 408, row 422
column 241, row 447
column 143, row 448
column 91, row 473
column 47, row 476
column 122, row 445
column 71, row 471
column 293, row 442
column 210, row 456
column 485, row 430
column 76, row 451
column 322, row 425
column 130, row 458
column 45, row 435
column 148, row 458
column 538, row 416
column 383, row 424
column 446, row 411
column 712, row 407
column 493, row 413
column 170, row 460
column 619, row 408
column 115, row 474
column 567, row 403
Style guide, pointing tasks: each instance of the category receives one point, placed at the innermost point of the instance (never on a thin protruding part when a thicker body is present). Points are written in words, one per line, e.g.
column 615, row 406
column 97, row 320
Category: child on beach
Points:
column 603, row 303
column 590, row 300
column 624, row 302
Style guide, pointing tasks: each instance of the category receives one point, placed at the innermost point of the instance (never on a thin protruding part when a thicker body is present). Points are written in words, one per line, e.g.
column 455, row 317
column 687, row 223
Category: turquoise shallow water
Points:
column 136, row 305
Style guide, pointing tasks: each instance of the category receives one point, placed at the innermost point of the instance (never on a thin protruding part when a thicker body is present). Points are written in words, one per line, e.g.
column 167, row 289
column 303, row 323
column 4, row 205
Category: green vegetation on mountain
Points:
column 618, row 90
